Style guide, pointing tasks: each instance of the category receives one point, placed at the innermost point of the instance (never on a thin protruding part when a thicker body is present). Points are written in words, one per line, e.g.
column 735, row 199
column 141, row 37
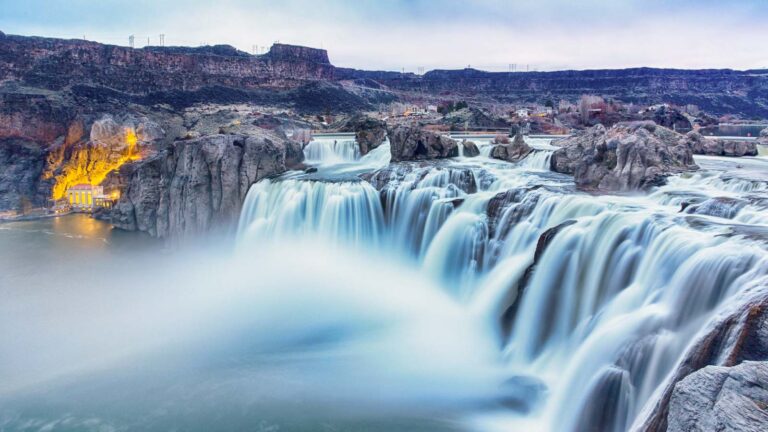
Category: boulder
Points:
column 763, row 138
column 626, row 157
column 414, row 143
column 369, row 132
column 513, row 152
column 195, row 186
column 718, row 147
column 718, row 398
column 470, row 149
column 669, row 117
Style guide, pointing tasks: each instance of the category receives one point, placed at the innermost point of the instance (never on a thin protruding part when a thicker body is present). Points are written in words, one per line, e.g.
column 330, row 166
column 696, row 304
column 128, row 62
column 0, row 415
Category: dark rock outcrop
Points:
column 718, row 398
column 414, row 143
column 469, row 148
column 513, row 152
column 369, row 132
column 196, row 186
column 628, row 156
column 21, row 168
column 669, row 118
column 720, row 147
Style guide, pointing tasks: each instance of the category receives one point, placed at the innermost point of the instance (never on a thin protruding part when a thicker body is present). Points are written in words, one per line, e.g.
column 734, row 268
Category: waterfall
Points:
column 333, row 149
column 538, row 160
column 598, row 318
column 347, row 212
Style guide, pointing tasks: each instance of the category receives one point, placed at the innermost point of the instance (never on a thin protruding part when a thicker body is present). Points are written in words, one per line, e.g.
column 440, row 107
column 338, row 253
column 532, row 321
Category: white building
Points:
column 86, row 197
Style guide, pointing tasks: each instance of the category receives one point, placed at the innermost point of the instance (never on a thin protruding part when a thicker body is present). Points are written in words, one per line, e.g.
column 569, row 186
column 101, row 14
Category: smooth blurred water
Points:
column 402, row 300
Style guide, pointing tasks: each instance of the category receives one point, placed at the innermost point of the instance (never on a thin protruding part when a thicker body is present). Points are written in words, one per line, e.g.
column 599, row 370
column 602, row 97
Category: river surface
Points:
column 404, row 303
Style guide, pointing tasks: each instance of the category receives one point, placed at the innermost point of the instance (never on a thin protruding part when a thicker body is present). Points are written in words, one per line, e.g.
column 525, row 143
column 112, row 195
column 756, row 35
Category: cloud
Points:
column 395, row 34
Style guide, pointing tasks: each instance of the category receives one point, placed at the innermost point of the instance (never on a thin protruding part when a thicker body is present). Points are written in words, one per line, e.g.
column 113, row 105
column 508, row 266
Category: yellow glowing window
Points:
column 71, row 198
column 89, row 198
column 77, row 197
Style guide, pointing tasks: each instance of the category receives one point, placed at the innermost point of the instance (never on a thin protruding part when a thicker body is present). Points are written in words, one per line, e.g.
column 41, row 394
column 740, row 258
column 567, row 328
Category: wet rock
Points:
column 628, row 156
column 195, row 186
column 470, row 149
column 513, row 152
column 414, row 143
column 723, row 207
column 369, row 132
column 719, row 147
column 738, row 334
column 718, row 398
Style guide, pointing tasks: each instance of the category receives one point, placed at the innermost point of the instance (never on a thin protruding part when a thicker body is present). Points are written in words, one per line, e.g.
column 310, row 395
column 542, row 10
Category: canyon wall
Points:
column 718, row 91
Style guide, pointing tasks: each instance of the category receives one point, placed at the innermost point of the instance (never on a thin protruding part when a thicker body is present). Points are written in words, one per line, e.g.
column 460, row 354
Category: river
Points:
column 406, row 302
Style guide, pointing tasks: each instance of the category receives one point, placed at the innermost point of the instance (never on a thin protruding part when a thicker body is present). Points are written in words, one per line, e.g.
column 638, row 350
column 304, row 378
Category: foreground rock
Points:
column 469, row 149
column 413, row 143
column 195, row 186
column 719, row 147
column 512, row 152
column 697, row 395
column 626, row 157
column 369, row 132
column 718, row 398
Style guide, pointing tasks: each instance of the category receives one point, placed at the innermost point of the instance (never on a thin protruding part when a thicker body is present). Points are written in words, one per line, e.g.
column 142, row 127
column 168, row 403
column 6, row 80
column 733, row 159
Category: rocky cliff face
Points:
column 198, row 185
column 626, row 157
column 153, row 72
column 57, row 63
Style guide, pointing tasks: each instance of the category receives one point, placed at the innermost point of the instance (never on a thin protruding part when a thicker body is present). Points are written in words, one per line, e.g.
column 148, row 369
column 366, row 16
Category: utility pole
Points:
column 130, row 41
column 162, row 39
column 147, row 40
column 255, row 50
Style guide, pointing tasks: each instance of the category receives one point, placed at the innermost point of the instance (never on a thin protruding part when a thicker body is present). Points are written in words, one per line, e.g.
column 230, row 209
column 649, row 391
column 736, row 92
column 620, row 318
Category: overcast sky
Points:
column 396, row 34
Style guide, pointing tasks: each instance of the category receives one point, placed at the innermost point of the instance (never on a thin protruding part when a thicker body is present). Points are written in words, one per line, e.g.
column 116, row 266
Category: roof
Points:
column 82, row 186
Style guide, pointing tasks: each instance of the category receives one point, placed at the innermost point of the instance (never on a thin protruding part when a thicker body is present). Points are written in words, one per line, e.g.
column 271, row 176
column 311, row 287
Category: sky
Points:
column 494, row 35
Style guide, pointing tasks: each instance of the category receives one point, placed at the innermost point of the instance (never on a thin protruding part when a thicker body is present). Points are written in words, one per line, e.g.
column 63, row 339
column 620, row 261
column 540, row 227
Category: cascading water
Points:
column 608, row 308
column 332, row 149
column 461, row 294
